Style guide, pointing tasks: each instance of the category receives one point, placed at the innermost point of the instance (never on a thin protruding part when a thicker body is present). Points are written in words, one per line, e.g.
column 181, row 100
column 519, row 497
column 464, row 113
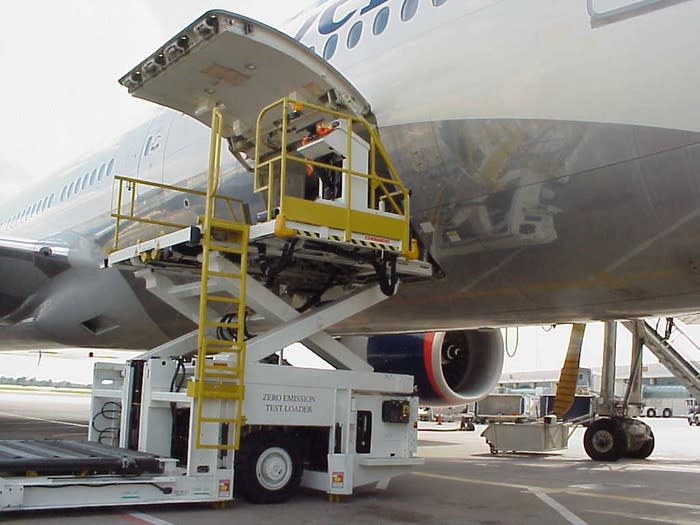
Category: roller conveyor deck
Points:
column 58, row 457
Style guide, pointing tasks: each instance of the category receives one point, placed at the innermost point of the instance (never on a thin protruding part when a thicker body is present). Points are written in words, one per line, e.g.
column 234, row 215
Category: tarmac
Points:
column 460, row 483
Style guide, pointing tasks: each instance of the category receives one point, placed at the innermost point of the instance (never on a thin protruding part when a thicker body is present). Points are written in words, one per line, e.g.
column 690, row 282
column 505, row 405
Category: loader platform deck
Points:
column 66, row 458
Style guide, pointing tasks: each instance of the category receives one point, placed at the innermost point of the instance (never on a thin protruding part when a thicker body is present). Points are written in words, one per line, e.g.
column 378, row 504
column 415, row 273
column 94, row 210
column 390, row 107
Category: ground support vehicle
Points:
column 218, row 411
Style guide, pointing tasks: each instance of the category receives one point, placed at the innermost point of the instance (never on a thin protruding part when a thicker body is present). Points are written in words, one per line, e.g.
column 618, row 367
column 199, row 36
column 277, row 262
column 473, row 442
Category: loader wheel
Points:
column 268, row 468
column 604, row 440
column 667, row 412
column 651, row 412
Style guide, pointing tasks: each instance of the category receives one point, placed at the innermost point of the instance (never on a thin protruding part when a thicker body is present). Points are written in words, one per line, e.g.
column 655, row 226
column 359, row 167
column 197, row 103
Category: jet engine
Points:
column 450, row 368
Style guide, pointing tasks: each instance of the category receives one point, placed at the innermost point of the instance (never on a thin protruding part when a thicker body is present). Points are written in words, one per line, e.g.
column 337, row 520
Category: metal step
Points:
column 682, row 369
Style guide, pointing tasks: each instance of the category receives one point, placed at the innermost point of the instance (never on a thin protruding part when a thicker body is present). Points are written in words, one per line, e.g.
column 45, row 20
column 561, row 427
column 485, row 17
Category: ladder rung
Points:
column 222, row 299
column 224, row 275
column 232, row 346
column 221, row 373
column 236, row 420
column 206, row 390
column 232, row 226
column 221, row 368
column 218, row 342
column 225, row 249
column 217, row 447
column 220, row 324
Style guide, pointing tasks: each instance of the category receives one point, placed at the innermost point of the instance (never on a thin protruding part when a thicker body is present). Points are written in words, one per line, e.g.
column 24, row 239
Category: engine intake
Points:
column 450, row 368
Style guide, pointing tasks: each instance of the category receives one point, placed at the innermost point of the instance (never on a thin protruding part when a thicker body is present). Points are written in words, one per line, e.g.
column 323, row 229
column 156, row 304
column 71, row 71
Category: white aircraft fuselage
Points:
column 552, row 150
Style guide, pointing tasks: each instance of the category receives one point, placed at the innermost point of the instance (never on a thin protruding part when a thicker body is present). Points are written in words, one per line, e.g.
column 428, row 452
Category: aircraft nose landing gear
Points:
column 609, row 439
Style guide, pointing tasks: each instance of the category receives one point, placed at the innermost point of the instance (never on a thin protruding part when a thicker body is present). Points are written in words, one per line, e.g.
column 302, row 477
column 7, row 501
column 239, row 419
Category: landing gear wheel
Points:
column 667, row 412
column 604, row 440
column 651, row 412
column 645, row 450
column 268, row 468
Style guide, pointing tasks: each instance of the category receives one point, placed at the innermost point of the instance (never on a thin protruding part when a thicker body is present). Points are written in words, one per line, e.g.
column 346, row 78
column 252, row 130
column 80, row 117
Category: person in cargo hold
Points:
column 330, row 179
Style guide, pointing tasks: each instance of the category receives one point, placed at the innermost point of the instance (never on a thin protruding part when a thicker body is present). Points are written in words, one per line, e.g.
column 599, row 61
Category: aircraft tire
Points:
column 268, row 468
column 604, row 440
column 645, row 450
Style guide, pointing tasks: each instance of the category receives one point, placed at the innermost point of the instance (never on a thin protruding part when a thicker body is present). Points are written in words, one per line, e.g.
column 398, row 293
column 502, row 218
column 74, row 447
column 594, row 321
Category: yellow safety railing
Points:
column 125, row 210
column 388, row 211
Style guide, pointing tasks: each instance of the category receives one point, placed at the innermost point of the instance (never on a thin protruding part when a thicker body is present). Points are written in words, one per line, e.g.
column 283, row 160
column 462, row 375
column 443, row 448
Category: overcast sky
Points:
column 59, row 96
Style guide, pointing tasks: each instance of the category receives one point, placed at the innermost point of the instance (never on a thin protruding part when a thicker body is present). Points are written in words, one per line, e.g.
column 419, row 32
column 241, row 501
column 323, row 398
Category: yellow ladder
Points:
column 218, row 386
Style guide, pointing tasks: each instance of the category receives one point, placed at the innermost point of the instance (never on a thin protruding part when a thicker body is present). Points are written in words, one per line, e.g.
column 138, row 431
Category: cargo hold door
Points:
column 241, row 66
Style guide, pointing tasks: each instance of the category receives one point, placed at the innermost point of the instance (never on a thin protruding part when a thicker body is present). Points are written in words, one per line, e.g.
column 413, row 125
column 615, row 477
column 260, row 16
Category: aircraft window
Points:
column 331, row 45
column 32, row 209
column 147, row 147
column 51, row 198
column 438, row 3
column 85, row 181
column 381, row 21
column 355, row 34
column 93, row 176
column 70, row 189
column 110, row 167
column 42, row 204
column 77, row 186
column 99, row 177
column 63, row 192
column 408, row 10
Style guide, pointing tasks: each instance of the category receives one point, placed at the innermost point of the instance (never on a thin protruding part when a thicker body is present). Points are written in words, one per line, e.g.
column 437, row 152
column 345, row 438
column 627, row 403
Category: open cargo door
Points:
column 241, row 66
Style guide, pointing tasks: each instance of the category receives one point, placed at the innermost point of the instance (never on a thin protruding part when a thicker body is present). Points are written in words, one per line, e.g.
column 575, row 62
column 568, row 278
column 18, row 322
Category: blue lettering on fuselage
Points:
column 327, row 23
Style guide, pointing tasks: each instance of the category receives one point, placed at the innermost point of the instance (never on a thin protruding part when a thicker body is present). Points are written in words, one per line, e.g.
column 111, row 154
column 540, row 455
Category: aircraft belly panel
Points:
column 543, row 221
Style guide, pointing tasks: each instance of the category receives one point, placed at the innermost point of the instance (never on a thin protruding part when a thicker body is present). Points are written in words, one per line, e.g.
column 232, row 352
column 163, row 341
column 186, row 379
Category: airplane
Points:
column 552, row 150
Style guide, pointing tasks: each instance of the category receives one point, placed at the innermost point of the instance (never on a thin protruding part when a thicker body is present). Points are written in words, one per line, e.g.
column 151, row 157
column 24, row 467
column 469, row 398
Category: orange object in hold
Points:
column 323, row 129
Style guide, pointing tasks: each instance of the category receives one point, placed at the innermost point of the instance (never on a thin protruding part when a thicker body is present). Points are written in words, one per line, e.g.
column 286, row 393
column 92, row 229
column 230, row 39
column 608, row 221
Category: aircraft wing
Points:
column 26, row 266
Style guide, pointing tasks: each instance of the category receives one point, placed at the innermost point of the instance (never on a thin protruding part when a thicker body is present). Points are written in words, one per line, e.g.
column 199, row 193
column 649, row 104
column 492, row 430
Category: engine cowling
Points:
column 450, row 368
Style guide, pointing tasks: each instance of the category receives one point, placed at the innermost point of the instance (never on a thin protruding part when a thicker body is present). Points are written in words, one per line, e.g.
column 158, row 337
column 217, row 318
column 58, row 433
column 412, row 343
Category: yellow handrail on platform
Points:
column 387, row 215
column 236, row 208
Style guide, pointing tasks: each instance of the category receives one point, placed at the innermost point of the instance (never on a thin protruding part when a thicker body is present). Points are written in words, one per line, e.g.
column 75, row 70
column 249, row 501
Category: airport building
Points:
column 663, row 394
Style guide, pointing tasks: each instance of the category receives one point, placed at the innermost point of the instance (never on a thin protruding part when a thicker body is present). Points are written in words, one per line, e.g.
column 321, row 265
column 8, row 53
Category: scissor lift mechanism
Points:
column 217, row 272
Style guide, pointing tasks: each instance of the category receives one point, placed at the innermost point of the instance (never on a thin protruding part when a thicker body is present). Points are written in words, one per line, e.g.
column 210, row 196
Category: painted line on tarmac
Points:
column 568, row 490
column 561, row 509
column 639, row 517
column 44, row 420
column 144, row 519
